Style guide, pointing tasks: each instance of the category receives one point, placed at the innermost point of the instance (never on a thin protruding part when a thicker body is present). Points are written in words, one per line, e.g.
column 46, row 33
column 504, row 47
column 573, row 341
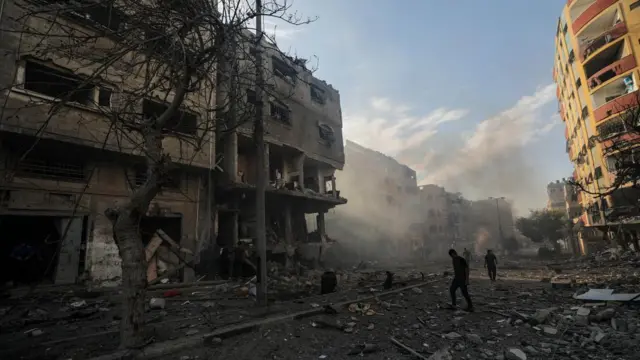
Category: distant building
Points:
column 382, row 209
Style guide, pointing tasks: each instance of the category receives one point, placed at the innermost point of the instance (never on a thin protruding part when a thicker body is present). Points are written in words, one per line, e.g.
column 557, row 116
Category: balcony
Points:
column 607, row 73
column 591, row 45
column 614, row 98
column 589, row 13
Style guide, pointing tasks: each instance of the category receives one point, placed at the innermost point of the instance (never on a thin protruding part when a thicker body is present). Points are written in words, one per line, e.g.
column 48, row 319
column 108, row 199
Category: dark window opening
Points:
column 565, row 28
column 585, row 112
column 597, row 172
column 57, row 84
column 173, row 181
column 102, row 14
column 181, row 122
column 634, row 5
column 281, row 113
column 572, row 57
column 282, row 70
column 251, row 97
column 104, row 97
column 611, row 128
column 318, row 95
column 326, row 133
column 578, row 83
column 52, row 167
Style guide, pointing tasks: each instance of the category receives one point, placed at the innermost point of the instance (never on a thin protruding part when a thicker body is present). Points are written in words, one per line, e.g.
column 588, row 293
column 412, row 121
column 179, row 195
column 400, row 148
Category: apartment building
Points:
column 303, row 149
column 492, row 223
column 596, row 70
column 380, row 220
column 62, row 169
column 563, row 197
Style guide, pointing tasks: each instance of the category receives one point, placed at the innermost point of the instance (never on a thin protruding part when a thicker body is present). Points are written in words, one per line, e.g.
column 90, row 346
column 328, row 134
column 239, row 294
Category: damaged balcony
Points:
column 611, row 62
column 583, row 11
column 291, row 174
column 616, row 96
column 601, row 32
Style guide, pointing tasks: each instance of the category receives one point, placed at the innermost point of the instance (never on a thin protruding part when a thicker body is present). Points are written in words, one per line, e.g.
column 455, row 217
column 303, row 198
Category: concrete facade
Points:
column 80, row 167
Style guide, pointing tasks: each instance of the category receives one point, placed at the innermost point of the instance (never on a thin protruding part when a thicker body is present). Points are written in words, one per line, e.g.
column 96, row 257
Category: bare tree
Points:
column 141, row 76
column 619, row 138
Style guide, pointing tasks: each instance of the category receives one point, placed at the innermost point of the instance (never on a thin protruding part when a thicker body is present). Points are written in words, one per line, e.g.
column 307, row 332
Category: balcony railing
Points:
column 616, row 32
column 592, row 11
column 620, row 139
column 617, row 68
column 619, row 104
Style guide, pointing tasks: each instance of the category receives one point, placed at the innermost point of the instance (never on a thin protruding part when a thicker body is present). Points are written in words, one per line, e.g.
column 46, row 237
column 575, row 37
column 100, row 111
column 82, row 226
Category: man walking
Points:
column 491, row 264
column 460, row 279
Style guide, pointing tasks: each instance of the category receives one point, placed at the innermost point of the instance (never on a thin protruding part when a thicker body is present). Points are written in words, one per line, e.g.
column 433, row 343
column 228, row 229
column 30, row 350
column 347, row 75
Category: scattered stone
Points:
column 452, row 336
column 515, row 354
column 474, row 338
column 619, row 324
column 541, row 316
column 157, row 303
column 34, row 332
column 531, row 350
column 371, row 327
column 583, row 311
column 550, row 330
column 193, row 331
column 442, row 354
column 417, row 290
column 605, row 315
column 598, row 336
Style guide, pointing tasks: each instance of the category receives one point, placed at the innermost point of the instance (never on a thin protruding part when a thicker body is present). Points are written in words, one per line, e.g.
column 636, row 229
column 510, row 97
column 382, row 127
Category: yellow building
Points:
column 596, row 70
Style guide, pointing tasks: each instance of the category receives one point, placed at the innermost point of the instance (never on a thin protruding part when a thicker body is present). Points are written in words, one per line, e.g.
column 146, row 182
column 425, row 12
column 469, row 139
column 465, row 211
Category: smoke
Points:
column 482, row 241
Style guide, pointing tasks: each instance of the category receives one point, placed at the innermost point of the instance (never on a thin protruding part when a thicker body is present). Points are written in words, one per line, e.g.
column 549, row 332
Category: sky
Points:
column 461, row 91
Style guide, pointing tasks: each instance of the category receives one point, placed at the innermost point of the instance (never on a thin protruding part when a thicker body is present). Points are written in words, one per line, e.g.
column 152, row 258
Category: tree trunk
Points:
column 134, row 280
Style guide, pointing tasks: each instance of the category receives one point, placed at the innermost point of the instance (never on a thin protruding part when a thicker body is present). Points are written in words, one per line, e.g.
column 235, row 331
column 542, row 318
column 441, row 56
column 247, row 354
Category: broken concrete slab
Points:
column 515, row 354
column 606, row 295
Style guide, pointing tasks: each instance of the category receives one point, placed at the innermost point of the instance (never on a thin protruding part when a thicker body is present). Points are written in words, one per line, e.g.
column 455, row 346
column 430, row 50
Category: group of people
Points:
column 461, row 274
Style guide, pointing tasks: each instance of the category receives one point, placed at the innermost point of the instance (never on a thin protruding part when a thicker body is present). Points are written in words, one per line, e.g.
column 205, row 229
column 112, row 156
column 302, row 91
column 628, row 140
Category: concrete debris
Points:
column 442, row 354
column 541, row 316
column 619, row 324
column 417, row 290
column 157, row 303
column 515, row 354
column 550, row 330
column 605, row 315
column 34, row 332
column 606, row 295
column 474, row 338
column 452, row 336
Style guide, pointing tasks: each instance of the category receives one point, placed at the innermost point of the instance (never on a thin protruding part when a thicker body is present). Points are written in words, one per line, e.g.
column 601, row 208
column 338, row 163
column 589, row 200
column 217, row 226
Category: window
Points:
column 174, row 180
column 597, row 172
column 280, row 113
column 634, row 5
column 282, row 70
column 317, row 94
column 565, row 28
column 611, row 128
column 57, row 84
column 104, row 97
column 181, row 121
column 326, row 133
column 578, row 85
column 49, row 166
column 102, row 14
column 572, row 57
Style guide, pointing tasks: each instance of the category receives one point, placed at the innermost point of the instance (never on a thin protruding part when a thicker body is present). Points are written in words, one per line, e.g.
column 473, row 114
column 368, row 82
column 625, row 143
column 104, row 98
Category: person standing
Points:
column 460, row 279
column 491, row 264
column 467, row 256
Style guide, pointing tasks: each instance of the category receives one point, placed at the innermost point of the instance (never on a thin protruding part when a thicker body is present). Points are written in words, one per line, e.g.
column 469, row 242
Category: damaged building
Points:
column 62, row 169
column 381, row 218
column 303, row 149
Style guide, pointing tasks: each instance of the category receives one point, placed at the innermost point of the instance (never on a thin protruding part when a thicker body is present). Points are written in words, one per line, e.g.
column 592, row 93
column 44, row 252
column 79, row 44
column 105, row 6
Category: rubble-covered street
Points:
column 529, row 313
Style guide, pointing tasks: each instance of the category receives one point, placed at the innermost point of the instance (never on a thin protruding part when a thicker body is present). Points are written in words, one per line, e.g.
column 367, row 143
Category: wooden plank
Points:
column 152, row 247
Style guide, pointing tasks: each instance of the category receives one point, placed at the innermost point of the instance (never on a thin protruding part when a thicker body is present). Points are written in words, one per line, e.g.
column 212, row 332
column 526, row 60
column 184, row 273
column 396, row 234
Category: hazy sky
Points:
column 461, row 91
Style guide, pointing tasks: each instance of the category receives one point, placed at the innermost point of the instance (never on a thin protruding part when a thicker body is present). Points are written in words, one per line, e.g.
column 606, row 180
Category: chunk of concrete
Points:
column 605, row 315
column 541, row 316
column 442, row 354
column 619, row 324
column 157, row 303
column 474, row 338
column 550, row 330
column 515, row 354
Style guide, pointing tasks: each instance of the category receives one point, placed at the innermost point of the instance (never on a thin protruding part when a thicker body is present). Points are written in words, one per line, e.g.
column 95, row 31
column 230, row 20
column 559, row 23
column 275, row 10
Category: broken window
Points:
column 100, row 14
column 326, row 133
column 52, row 166
column 611, row 128
column 181, row 122
column 280, row 113
column 57, row 84
column 174, row 180
column 598, row 172
column 317, row 94
column 282, row 70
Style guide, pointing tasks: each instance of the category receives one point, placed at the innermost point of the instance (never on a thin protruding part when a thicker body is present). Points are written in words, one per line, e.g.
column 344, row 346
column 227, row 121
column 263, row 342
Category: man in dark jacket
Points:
column 460, row 279
column 491, row 264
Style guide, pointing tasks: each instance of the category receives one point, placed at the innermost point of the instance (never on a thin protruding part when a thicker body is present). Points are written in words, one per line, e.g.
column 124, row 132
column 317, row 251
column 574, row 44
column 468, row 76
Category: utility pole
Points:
column 261, row 183
column 499, row 223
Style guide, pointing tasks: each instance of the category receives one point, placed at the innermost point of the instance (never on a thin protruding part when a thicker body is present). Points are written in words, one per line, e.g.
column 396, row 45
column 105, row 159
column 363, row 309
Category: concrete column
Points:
column 333, row 186
column 300, row 170
column 322, row 188
column 321, row 233
column 288, row 234
column 231, row 156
